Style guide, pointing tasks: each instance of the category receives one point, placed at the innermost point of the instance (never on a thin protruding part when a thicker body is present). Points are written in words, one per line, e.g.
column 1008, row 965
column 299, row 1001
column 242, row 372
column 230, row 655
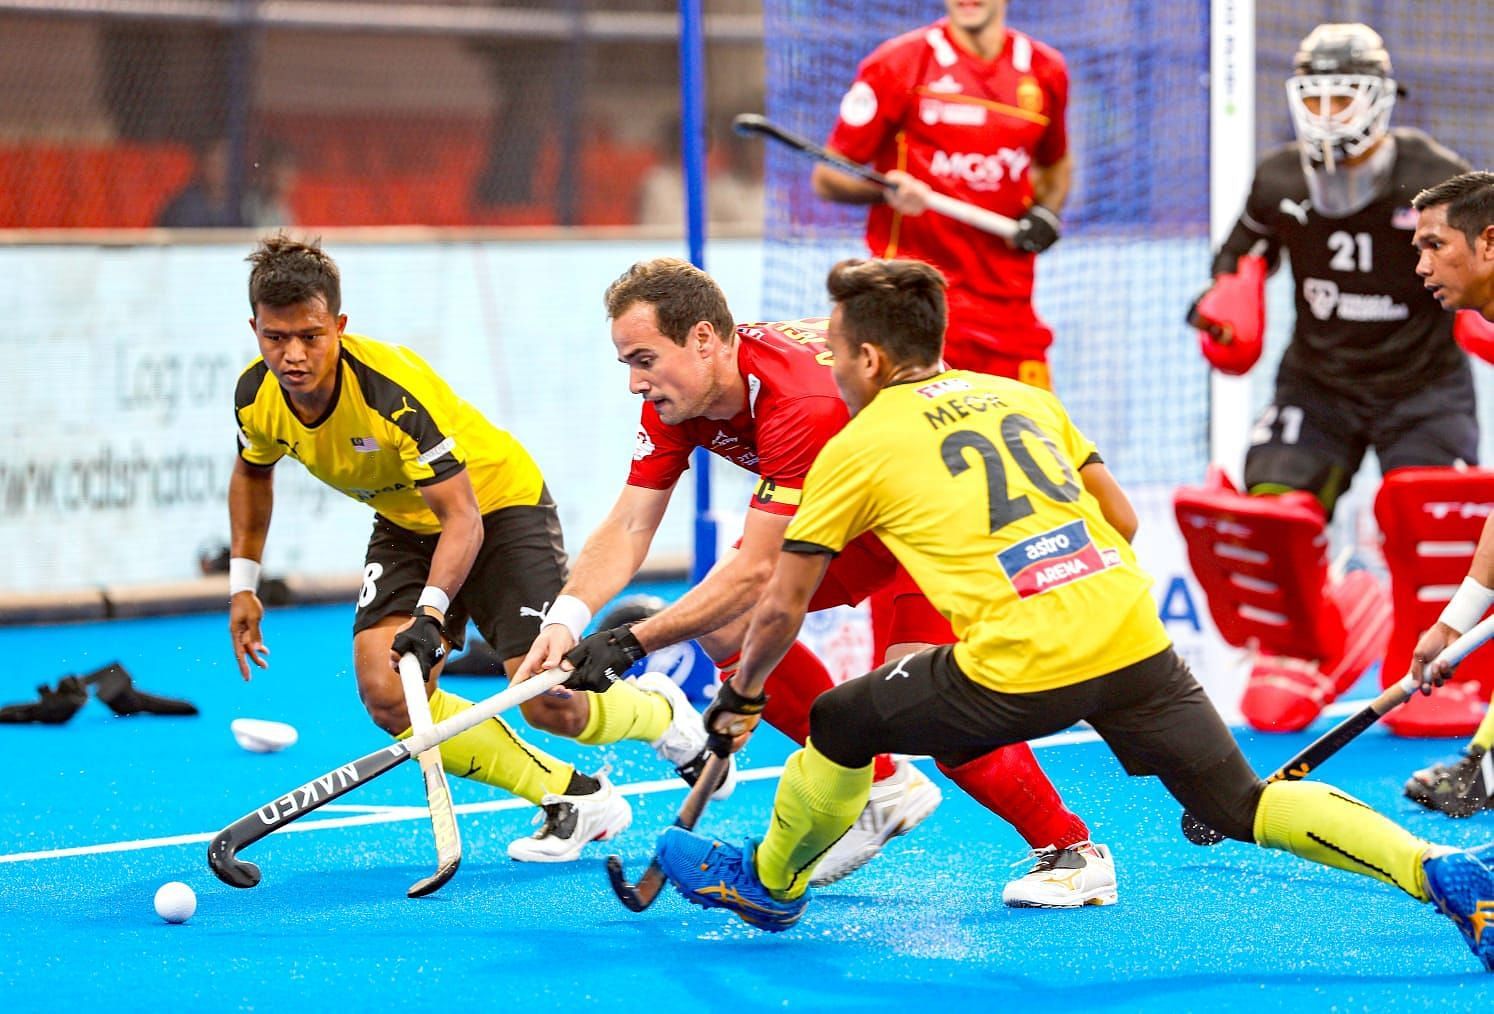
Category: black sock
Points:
column 582, row 784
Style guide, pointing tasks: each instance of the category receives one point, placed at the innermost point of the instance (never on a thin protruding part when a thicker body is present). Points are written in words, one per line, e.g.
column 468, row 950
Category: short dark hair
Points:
column 681, row 294
column 896, row 305
column 287, row 271
column 1469, row 199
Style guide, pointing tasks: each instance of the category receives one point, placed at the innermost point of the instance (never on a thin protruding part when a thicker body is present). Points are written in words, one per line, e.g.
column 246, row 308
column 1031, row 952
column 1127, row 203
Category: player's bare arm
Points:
column 1051, row 183
column 775, row 623
column 728, row 591
column 833, row 185
column 454, row 503
column 251, row 497
column 612, row 555
column 1114, row 503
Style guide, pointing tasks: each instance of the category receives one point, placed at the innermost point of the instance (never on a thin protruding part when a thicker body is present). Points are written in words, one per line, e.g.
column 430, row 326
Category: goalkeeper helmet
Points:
column 1341, row 93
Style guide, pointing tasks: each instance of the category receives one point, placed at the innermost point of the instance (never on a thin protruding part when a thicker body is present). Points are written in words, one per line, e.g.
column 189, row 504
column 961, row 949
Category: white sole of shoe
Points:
column 1092, row 898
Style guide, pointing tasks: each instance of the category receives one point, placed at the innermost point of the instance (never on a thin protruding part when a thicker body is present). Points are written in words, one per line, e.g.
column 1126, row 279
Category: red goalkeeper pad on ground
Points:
column 1263, row 564
column 1430, row 520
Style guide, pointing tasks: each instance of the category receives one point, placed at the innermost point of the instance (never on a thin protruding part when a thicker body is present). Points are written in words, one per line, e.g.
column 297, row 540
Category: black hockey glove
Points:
column 1037, row 230
column 600, row 659
column 423, row 640
column 730, row 719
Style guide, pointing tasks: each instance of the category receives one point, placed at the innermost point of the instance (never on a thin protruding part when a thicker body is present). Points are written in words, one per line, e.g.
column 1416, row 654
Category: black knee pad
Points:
column 1224, row 796
column 838, row 724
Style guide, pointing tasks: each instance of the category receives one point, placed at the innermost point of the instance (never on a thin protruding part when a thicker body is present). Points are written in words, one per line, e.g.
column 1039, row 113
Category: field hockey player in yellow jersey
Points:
column 464, row 527
column 1013, row 527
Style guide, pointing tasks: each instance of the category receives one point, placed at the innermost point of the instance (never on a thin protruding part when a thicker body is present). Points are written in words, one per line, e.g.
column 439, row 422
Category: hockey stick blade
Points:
column 639, row 896
column 223, row 851
column 295, row 804
column 437, row 793
column 1345, row 732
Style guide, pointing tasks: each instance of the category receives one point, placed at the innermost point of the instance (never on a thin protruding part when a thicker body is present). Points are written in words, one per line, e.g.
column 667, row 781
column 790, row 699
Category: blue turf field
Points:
column 1224, row 929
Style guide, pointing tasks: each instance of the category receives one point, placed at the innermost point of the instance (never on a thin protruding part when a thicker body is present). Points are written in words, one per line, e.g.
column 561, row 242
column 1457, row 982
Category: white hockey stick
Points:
column 950, row 207
column 437, row 792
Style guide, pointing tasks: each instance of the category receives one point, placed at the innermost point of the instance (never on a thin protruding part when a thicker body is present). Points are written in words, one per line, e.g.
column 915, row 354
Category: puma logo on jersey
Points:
column 405, row 410
column 1297, row 211
column 898, row 670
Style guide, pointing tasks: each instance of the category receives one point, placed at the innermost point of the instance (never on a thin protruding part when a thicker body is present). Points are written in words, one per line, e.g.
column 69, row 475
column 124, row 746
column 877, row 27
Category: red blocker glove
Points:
column 1474, row 334
column 1231, row 317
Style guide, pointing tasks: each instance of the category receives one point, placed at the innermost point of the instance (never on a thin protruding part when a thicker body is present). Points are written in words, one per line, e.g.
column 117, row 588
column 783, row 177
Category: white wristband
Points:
column 435, row 598
column 1467, row 606
column 570, row 612
column 243, row 575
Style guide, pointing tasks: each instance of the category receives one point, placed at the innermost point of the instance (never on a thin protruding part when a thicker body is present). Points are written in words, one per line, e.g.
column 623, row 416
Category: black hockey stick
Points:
column 1345, row 732
column 641, row 895
column 250, row 828
column 949, row 207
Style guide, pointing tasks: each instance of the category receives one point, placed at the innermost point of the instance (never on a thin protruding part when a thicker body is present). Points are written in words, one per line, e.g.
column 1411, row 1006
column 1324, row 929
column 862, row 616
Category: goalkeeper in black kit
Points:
column 1373, row 362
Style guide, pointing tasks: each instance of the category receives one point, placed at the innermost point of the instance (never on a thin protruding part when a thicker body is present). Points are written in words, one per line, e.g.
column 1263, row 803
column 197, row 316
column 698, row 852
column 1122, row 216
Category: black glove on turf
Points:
column 602, row 658
column 423, row 640
column 1037, row 230
column 728, row 702
column 116, row 688
column 53, row 708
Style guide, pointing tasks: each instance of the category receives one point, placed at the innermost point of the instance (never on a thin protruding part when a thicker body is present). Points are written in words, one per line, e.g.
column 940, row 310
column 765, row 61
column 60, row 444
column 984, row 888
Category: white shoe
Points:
column 570, row 823
column 898, row 804
column 684, row 742
column 1083, row 874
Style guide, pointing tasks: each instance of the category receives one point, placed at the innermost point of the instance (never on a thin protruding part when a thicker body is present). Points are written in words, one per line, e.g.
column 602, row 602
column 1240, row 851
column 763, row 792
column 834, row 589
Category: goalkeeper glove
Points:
column 1231, row 317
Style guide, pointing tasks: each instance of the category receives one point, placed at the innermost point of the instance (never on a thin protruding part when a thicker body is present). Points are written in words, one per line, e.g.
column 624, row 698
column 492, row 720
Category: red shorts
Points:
column 864, row 566
column 1004, row 341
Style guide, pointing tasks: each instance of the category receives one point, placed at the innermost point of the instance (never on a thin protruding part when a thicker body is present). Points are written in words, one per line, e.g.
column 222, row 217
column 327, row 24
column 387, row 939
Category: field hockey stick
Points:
column 250, row 828
column 949, row 207
column 641, row 895
column 437, row 792
column 1345, row 732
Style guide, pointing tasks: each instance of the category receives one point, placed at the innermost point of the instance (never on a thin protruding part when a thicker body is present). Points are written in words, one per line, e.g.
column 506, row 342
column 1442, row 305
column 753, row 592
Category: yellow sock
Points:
column 1483, row 736
column 817, row 802
column 625, row 712
column 494, row 754
column 1325, row 825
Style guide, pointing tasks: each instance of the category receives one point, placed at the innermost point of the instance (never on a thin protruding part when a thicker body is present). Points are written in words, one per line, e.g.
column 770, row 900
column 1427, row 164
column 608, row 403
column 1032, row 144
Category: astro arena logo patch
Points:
column 1057, row 557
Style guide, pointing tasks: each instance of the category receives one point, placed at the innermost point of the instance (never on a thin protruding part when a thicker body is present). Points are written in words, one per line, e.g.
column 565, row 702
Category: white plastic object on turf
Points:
column 175, row 902
column 259, row 736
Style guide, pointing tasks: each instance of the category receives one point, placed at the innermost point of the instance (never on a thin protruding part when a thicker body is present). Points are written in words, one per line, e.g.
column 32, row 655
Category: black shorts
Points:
column 519, row 570
column 1313, row 438
column 1153, row 714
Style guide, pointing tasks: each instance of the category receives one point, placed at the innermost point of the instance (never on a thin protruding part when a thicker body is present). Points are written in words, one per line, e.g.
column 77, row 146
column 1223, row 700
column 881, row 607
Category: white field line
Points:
column 363, row 815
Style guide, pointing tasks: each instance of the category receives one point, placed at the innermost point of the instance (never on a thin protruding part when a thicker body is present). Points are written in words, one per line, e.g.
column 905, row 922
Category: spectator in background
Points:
column 206, row 201
column 734, row 190
column 267, row 203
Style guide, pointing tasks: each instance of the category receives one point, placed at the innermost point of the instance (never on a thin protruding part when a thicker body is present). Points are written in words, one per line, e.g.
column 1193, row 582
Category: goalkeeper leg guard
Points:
column 492, row 753
column 1324, row 825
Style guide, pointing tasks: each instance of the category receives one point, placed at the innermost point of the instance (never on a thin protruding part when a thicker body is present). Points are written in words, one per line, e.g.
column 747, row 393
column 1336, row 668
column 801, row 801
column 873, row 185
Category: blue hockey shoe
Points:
column 713, row 874
column 1462, row 887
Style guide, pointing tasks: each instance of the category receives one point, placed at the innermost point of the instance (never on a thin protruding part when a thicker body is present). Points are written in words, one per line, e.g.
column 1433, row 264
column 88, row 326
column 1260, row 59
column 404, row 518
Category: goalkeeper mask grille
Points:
column 1341, row 94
